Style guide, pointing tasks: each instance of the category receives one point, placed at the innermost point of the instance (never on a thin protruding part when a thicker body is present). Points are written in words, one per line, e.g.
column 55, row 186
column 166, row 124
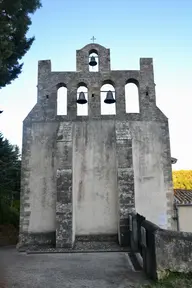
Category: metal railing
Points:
column 142, row 240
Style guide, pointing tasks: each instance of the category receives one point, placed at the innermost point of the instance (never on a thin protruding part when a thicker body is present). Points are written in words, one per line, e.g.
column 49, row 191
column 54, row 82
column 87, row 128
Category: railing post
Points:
column 140, row 219
column 148, row 248
column 133, row 232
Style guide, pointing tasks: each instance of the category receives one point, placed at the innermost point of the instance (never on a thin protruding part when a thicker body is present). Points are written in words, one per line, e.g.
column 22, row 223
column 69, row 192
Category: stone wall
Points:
column 64, row 201
column 173, row 251
column 125, row 178
column 139, row 164
column 162, row 250
column 95, row 178
column 153, row 185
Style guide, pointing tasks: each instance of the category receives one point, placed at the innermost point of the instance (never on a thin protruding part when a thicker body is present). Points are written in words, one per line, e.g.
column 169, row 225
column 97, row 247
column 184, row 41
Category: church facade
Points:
column 82, row 175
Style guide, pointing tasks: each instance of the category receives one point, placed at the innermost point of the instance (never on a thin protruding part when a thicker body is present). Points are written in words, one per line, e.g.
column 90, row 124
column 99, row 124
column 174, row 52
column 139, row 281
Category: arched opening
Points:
column 106, row 108
column 62, row 99
column 93, row 61
column 82, row 109
column 132, row 97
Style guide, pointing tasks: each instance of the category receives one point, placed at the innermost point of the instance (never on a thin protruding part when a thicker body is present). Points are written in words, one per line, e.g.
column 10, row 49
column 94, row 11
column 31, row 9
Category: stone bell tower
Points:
column 82, row 175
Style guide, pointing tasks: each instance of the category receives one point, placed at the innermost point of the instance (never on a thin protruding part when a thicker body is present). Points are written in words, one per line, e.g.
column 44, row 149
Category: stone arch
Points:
column 108, row 81
column 82, row 109
column 107, row 109
column 93, row 50
column 82, row 83
column 132, row 96
column 61, row 99
column 61, row 84
column 134, row 81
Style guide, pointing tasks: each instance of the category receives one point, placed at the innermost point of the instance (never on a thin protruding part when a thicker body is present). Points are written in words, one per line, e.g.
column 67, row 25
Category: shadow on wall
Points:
column 8, row 235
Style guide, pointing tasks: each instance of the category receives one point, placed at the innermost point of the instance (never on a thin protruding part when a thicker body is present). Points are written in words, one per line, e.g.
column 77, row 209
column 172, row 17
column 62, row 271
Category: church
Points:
column 83, row 174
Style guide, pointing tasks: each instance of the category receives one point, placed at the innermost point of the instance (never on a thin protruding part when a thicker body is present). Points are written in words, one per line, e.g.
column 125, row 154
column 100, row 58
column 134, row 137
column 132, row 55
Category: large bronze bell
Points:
column 109, row 98
column 81, row 99
column 92, row 62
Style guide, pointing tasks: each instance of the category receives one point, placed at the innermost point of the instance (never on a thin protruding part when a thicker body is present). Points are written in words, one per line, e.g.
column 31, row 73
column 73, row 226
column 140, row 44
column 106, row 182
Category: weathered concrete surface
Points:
column 39, row 181
column 173, row 251
column 94, row 178
column 106, row 270
column 150, row 162
column 184, row 214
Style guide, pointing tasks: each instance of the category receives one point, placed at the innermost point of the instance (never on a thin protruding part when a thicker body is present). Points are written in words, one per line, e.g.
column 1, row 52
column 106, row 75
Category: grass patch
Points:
column 173, row 280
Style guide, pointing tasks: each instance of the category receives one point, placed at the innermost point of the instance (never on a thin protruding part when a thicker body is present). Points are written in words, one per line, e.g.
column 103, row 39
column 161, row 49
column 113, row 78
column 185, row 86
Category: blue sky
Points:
column 131, row 29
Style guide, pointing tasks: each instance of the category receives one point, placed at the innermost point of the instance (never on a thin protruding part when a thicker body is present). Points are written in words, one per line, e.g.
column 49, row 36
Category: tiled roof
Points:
column 183, row 196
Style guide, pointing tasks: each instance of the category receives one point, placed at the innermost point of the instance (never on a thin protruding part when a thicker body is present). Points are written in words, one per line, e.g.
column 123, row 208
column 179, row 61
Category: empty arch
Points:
column 81, row 84
column 132, row 96
column 61, row 99
column 93, row 53
column 82, row 109
column 107, row 109
column 134, row 81
column 110, row 82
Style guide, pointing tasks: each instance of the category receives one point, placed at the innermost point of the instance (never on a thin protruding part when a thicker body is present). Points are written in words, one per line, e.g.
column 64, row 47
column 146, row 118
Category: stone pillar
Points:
column 94, row 102
column 120, row 100
column 147, row 93
column 25, row 207
column 64, row 207
column 44, row 71
column 125, row 180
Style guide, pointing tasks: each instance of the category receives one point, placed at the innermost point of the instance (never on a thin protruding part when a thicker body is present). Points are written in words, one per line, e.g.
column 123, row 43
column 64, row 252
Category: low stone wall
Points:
column 162, row 250
column 33, row 240
column 8, row 235
column 173, row 251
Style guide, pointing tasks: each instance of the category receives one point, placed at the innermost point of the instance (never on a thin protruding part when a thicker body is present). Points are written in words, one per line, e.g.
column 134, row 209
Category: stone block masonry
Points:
column 125, row 178
column 64, row 205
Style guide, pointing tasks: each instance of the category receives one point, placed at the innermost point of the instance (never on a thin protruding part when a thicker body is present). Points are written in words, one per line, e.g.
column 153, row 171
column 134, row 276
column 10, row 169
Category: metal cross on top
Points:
column 93, row 39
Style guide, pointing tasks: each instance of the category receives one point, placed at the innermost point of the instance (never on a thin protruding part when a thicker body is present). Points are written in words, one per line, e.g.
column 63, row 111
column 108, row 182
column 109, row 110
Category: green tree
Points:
column 14, row 24
column 10, row 167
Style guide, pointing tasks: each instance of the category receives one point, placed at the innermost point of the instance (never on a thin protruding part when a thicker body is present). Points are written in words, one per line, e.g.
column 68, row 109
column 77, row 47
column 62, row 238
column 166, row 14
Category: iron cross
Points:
column 93, row 39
